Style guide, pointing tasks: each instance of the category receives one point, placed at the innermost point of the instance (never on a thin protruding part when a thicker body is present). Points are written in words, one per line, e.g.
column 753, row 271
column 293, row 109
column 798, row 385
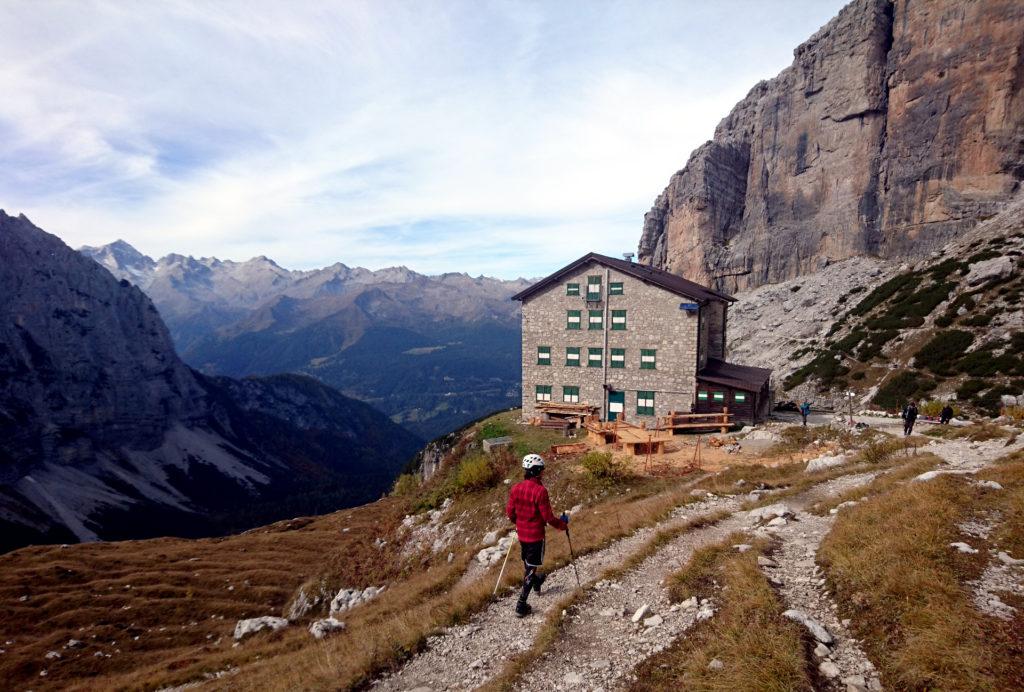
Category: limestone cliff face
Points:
column 898, row 126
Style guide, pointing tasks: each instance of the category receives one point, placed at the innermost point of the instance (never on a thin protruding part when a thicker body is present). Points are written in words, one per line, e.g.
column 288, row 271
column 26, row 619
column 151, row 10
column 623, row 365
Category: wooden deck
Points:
column 636, row 440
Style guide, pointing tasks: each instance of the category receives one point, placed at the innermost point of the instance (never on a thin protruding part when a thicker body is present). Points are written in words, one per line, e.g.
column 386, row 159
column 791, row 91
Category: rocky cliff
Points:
column 106, row 433
column 898, row 126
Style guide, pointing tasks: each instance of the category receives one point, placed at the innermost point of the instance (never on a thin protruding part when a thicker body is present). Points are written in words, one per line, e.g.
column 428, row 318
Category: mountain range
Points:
column 433, row 352
column 105, row 433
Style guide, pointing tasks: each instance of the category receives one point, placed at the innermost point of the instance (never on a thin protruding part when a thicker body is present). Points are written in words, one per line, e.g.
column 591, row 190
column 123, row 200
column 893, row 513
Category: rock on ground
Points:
column 243, row 628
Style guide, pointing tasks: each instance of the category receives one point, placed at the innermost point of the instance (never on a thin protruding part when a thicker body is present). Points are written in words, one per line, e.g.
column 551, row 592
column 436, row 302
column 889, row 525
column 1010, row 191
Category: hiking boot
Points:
column 523, row 609
column 537, row 581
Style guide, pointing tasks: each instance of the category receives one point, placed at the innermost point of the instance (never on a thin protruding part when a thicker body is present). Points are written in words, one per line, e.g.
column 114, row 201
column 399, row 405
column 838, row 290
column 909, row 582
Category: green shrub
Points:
column 884, row 292
column 405, row 485
column 939, row 354
column 603, row 466
column 476, row 473
column 826, row 367
column 982, row 320
column 969, row 388
column 982, row 256
column 934, row 407
column 872, row 348
column 944, row 320
column 859, row 375
column 903, row 386
column 850, row 341
column 922, row 302
column 942, row 270
column 982, row 363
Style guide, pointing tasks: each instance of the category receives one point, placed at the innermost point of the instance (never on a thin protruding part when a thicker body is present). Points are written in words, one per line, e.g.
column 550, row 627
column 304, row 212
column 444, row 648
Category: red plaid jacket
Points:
column 529, row 507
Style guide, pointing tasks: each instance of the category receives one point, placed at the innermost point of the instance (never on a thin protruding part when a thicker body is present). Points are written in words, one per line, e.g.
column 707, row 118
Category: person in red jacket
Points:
column 530, row 509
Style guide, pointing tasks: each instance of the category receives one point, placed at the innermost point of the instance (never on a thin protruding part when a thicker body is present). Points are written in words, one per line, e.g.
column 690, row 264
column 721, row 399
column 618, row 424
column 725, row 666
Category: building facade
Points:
column 627, row 338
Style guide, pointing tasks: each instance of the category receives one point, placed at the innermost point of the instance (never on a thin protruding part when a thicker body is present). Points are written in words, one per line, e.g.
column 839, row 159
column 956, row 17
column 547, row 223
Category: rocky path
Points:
column 466, row 656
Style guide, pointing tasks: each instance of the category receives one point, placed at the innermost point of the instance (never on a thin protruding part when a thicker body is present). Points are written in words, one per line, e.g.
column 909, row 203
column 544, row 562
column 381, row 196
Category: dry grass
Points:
column 759, row 649
column 975, row 432
column 881, row 483
column 895, row 575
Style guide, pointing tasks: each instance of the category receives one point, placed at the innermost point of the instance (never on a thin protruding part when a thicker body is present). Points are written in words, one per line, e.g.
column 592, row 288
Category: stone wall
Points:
column 653, row 321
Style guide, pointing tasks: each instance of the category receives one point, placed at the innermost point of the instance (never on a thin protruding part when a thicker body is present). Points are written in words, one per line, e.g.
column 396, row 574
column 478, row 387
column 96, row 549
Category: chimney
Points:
column 628, row 256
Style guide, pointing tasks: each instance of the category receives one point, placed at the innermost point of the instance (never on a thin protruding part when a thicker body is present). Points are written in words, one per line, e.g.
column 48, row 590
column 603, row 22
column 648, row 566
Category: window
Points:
column 739, row 397
column 618, row 358
column 572, row 319
column 572, row 356
column 572, row 289
column 615, row 288
column 595, row 357
column 593, row 288
column 702, row 396
column 543, row 392
column 571, row 395
column 645, row 403
column 648, row 359
column 618, row 320
column 596, row 319
column 718, row 396
column 543, row 355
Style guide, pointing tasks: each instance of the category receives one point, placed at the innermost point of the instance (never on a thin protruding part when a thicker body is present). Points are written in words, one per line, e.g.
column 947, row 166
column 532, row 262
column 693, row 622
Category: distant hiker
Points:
column 946, row 414
column 909, row 416
column 805, row 410
column 530, row 509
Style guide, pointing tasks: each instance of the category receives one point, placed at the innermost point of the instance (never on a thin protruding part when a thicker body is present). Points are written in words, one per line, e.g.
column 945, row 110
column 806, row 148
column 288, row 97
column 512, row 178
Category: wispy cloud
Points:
column 503, row 138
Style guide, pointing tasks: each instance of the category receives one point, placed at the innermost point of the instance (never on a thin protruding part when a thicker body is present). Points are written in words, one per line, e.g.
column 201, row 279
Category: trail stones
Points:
column 769, row 512
column 243, row 628
column 495, row 553
column 653, row 621
column 350, row 598
column 490, row 539
column 825, row 462
column 991, row 485
column 828, row 669
column 326, row 627
column 963, row 548
column 742, row 547
column 640, row 613
column 822, row 651
column 1008, row 560
column 813, row 626
column 715, row 664
column 776, row 522
column 690, row 602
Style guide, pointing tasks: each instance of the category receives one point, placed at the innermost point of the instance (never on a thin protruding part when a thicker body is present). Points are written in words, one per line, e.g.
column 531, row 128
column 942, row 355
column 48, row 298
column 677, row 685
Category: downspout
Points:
column 700, row 318
column 605, row 355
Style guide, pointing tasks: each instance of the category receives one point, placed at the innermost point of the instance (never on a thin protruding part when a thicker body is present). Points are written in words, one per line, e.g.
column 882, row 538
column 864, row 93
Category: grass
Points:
column 975, row 432
column 759, row 648
column 889, row 562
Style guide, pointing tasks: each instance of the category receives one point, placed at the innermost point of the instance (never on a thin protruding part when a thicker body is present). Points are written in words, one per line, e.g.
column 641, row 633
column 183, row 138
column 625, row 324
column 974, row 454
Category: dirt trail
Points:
column 466, row 656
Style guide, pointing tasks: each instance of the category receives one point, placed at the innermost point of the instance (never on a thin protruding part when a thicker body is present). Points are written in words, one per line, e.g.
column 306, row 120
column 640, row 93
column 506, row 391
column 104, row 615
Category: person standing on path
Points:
column 909, row 417
column 530, row 509
column 805, row 410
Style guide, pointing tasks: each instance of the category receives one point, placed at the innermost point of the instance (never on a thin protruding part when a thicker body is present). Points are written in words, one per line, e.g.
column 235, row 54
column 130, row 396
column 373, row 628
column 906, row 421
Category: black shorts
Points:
column 533, row 553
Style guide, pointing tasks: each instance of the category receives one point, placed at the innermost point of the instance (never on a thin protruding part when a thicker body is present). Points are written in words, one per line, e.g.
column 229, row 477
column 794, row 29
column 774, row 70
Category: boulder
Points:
column 325, row 627
column 640, row 613
column 769, row 512
column 990, row 270
column 350, row 598
column 243, row 628
column 653, row 621
column 813, row 626
column 825, row 461
column 828, row 669
column 963, row 548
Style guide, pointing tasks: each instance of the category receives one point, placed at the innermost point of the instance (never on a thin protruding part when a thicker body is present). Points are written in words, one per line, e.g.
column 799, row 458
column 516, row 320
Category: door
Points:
column 616, row 404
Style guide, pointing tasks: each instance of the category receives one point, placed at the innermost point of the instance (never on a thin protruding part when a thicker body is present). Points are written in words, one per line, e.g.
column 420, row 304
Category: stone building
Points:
column 634, row 341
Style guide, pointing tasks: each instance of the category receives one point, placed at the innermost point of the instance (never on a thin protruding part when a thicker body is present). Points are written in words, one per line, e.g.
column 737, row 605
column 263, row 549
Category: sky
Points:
column 496, row 138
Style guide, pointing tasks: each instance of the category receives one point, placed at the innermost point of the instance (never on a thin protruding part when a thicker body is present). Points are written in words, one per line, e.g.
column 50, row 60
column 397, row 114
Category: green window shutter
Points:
column 645, row 403
column 543, row 392
column 570, row 395
column 593, row 288
column 615, row 288
column 572, row 356
column 543, row 355
column 702, row 396
column 718, row 396
column 739, row 396
column 618, row 359
column 572, row 289
column 595, row 357
column 595, row 319
column 618, row 320
column 572, row 319
column 648, row 359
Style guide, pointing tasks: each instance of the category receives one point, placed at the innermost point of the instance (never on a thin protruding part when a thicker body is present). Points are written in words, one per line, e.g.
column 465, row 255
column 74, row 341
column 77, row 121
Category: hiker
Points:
column 805, row 410
column 909, row 416
column 946, row 414
column 529, row 507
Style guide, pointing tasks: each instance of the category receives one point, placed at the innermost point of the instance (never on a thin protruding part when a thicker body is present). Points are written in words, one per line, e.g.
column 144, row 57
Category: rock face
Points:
column 898, row 126
column 105, row 433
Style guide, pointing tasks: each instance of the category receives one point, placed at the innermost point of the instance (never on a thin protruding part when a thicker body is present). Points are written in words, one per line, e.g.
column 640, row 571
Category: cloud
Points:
column 500, row 138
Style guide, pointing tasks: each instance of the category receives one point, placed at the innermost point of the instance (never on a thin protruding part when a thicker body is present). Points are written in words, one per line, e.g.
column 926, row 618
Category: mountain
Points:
column 898, row 127
column 105, row 433
column 433, row 352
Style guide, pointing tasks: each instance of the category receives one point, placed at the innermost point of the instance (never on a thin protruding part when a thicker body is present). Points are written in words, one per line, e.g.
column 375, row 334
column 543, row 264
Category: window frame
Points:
column 539, row 392
column 616, row 288
column 594, row 326
column 591, row 282
column 578, row 325
column 541, row 352
column 644, row 409
column 611, row 358
column 718, row 397
column 599, row 352
column 572, row 289
column 739, row 397
column 579, row 356
column 618, row 326
column 653, row 363
column 703, row 395
column 567, row 395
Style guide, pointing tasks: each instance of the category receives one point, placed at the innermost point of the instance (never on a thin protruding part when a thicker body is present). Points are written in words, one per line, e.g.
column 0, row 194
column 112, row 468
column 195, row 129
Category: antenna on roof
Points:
column 628, row 256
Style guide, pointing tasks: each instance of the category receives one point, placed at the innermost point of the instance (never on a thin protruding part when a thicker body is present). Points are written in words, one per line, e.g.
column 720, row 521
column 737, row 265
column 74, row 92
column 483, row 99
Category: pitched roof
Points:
column 742, row 377
column 656, row 277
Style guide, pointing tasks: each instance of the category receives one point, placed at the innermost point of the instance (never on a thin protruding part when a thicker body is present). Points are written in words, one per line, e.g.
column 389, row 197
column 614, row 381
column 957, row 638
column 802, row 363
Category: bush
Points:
column 939, row 354
column 904, row 385
column 934, row 407
column 405, row 485
column 603, row 467
column 880, row 451
column 859, row 375
column 969, row 388
column 884, row 292
column 1014, row 413
column 476, row 473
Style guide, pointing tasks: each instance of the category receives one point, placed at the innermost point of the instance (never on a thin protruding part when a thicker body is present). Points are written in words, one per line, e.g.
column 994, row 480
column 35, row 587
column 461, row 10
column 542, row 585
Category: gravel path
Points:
column 466, row 656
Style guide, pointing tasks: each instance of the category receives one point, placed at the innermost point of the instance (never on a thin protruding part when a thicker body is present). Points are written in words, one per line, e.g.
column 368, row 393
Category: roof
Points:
column 743, row 377
column 656, row 277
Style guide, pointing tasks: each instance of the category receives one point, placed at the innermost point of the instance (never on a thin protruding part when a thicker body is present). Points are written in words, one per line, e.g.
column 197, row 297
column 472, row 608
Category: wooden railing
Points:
column 691, row 421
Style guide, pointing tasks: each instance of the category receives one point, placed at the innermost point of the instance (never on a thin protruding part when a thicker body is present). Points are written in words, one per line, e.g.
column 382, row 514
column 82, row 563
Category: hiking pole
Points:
column 502, row 572
column 572, row 558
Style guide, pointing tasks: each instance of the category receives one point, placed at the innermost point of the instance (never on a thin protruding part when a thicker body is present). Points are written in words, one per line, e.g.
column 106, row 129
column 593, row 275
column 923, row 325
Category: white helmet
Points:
column 533, row 461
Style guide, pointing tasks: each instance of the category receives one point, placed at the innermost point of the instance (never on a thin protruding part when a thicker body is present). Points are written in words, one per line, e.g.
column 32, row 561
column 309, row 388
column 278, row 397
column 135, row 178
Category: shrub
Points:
column 850, row 341
column 827, row 367
column 969, row 388
column 934, row 407
column 1014, row 413
column 904, row 385
column 859, row 375
column 603, row 466
column 476, row 473
column 406, row 484
column 879, row 451
column 982, row 320
column 884, row 292
column 939, row 354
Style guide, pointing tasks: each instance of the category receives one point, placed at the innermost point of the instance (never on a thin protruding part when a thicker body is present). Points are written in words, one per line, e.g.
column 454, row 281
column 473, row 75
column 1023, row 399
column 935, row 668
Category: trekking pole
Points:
column 572, row 558
column 502, row 572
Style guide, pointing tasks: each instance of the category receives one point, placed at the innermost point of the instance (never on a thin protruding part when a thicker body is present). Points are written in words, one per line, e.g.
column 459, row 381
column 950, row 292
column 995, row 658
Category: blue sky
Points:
column 498, row 138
